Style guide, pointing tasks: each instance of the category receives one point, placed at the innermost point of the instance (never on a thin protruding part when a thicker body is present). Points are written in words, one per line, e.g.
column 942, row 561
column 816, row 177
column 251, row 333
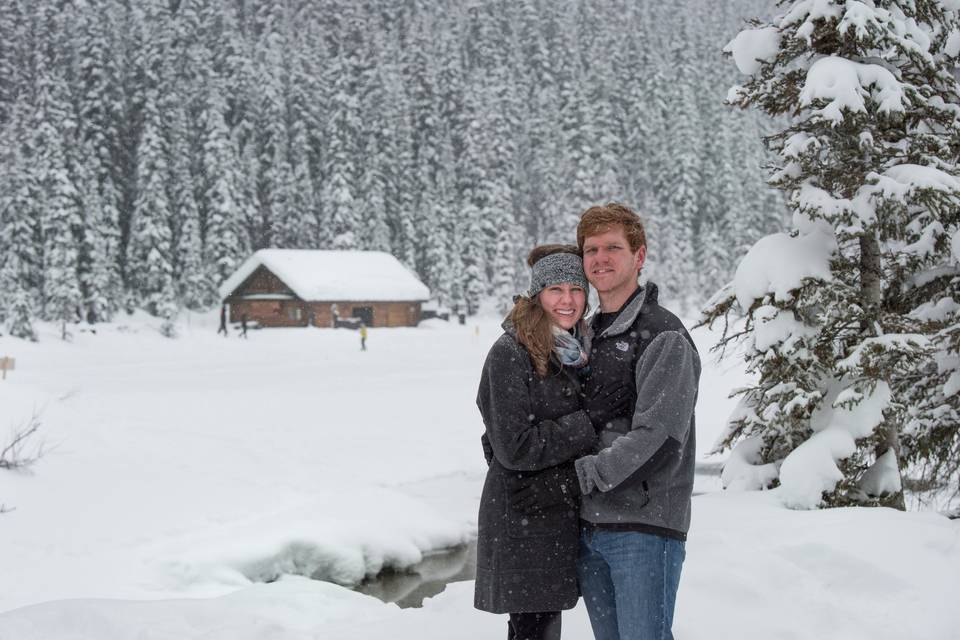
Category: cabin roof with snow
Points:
column 315, row 275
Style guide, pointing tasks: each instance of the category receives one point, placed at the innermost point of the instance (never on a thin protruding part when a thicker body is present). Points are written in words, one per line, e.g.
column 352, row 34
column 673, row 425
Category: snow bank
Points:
column 883, row 476
column 811, row 468
column 742, row 471
column 757, row 571
column 753, row 571
column 339, row 539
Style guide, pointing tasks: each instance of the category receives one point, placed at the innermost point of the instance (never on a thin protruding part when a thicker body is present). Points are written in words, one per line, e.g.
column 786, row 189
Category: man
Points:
column 223, row 321
column 635, row 507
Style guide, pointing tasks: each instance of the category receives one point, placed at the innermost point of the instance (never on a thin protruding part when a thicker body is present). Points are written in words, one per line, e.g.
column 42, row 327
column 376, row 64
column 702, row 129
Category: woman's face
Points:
column 564, row 303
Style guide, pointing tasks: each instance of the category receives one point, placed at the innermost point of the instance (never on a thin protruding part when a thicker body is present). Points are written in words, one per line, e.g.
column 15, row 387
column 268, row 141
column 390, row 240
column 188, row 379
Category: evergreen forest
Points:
column 147, row 147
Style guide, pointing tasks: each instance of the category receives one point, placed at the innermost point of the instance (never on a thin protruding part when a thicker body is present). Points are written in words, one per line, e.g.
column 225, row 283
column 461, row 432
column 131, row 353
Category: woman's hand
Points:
column 606, row 403
column 545, row 490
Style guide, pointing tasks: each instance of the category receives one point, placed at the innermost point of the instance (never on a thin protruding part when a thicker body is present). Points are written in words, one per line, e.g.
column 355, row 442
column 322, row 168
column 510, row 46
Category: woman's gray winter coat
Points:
column 534, row 425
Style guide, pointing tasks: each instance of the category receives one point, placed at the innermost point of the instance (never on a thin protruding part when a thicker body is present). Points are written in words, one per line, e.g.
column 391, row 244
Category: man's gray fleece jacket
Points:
column 641, row 477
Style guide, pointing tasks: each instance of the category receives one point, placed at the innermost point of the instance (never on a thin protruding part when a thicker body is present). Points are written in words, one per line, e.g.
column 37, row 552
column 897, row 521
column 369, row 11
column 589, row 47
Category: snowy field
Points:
column 191, row 487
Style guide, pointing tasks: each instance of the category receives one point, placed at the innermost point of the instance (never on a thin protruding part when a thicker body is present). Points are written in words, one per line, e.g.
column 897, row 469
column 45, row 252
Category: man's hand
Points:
column 546, row 490
column 487, row 449
column 607, row 403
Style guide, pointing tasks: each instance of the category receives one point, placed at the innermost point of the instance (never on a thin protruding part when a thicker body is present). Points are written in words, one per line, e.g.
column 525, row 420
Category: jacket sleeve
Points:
column 519, row 441
column 667, row 375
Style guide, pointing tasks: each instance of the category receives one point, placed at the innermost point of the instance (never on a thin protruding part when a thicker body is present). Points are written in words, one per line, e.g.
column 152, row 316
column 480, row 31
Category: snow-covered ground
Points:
column 190, row 486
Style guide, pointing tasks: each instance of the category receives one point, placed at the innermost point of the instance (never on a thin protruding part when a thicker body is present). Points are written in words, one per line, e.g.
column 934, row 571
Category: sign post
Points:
column 6, row 364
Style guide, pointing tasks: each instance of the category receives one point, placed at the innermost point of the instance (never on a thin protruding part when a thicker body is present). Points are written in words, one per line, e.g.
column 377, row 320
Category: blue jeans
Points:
column 629, row 582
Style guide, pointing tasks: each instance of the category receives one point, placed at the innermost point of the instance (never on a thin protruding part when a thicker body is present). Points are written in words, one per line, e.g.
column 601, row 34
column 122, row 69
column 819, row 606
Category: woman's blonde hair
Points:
column 530, row 320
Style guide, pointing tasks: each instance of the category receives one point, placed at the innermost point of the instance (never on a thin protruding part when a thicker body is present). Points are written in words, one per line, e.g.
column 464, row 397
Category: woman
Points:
column 529, row 398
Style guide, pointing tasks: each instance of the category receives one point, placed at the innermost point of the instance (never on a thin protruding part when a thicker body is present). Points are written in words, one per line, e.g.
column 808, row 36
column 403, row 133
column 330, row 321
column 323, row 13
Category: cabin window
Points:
column 295, row 313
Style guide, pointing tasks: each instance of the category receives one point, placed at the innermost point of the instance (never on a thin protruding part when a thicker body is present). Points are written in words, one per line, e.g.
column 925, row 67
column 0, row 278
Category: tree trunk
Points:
column 870, row 325
column 870, row 295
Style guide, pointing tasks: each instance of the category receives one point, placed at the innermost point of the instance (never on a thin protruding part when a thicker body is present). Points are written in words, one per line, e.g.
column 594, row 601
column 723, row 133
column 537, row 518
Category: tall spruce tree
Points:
column 150, row 257
column 55, row 196
column 21, row 252
column 225, row 243
column 838, row 312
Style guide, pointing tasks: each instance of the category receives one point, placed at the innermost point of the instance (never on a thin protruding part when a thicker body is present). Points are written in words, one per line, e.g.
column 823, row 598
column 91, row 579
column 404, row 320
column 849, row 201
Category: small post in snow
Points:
column 6, row 363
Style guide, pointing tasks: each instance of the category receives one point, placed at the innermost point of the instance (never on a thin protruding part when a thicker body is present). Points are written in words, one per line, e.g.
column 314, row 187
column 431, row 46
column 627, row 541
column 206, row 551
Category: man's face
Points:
column 610, row 265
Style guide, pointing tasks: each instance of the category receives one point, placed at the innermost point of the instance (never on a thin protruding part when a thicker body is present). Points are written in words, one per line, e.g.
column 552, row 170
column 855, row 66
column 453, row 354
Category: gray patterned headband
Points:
column 554, row 269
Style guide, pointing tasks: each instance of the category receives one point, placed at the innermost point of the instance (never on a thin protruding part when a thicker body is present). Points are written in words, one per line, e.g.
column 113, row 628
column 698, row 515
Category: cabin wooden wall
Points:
column 294, row 312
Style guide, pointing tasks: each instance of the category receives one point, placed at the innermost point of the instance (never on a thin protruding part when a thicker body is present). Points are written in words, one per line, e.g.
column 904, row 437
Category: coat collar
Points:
column 628, row 315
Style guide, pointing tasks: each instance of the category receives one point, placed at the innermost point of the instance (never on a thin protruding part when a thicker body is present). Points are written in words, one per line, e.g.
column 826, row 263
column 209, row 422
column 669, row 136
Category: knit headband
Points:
column 555, row 269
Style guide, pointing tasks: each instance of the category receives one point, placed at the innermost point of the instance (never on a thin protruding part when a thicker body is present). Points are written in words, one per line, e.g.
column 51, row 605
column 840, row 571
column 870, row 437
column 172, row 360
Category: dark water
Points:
column 428, row 578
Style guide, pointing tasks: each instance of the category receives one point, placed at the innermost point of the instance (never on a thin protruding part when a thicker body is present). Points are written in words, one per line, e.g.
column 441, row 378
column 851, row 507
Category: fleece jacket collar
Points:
column 628, row 315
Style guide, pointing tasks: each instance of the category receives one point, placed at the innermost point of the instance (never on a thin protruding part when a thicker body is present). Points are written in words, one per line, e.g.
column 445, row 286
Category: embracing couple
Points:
column 590, row 441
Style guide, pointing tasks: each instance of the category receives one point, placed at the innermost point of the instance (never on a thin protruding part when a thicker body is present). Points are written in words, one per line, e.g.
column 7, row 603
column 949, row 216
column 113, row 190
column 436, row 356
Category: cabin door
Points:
column 365, row 314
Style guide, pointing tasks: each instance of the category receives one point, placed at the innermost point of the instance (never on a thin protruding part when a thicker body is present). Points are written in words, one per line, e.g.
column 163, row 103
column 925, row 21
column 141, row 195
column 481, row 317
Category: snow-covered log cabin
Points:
column 297, row 288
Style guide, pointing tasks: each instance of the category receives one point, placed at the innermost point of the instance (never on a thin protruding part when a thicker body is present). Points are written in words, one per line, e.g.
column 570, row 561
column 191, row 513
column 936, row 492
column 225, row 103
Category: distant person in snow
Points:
column 363, row 337
column 223, row 320
column 243, row 326
column 535, row 426
column 636, row 489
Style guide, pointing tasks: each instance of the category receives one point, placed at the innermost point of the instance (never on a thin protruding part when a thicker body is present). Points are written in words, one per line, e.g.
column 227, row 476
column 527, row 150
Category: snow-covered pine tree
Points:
column 578, row 137
column 186, row 246
column 340, row 171
column 20, row 315
column 474, row 189
column 55, row 196
column 399, row 175
column 375, row 232
column 301, row 205
column 505, row 265
column 92, row 159
column 682, row 162
column 436, row 256
column 272, row 174
column 225, row 243
column 931, row 440
column 21, row 252
column 150, row 260
column 837, row 309
column 643, row 110
column 12, row 57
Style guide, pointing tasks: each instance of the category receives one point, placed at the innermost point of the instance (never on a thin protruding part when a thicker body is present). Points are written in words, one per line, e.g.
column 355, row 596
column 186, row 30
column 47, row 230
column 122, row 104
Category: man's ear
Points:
column 641, row 257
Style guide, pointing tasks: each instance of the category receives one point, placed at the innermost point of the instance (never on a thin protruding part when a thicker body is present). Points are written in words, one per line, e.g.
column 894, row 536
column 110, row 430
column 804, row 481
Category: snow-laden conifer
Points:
column 835, row 308
column 150, row 257
column 55, row 198
column 20, row 315
column 226, row 243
